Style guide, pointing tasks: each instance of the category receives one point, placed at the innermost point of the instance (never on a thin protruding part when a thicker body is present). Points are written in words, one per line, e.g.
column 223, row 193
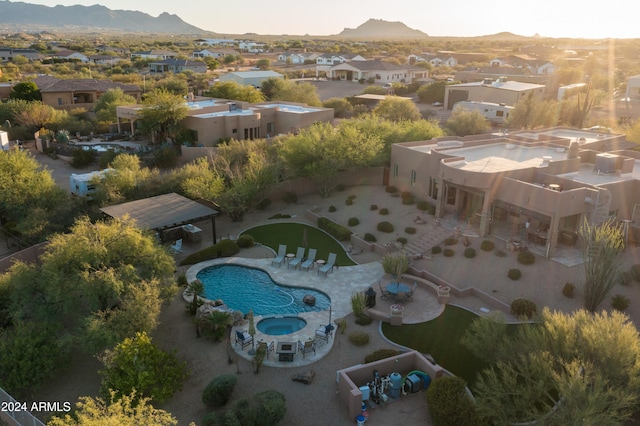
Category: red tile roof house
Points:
column 75, row 93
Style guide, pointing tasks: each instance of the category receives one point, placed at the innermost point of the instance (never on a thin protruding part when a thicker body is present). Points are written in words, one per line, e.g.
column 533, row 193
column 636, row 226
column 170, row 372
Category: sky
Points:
column 591, row 19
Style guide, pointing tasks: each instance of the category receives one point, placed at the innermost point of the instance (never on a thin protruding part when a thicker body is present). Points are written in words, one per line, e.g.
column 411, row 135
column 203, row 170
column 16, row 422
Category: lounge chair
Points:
column 177, row 247
column 244, row 338
column 282, row 252
column 266, row 347
column 308, row 263
column 324, row 332
column 296, row 261
column 306, row 347
column 329, row 265
column 384, row 294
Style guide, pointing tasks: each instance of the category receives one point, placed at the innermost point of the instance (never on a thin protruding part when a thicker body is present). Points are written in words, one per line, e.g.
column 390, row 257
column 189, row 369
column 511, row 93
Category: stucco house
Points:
column 337, row 58
column 297, row 57
column 537, row 185
column 214, row 53
column 104, row 59
column 175, row 65
column 212, row 120
column 70, row 55
column 215, row 41
column 251, row 46
column 500, row 91
column 154, row 54
column 74, row 93
column 380, row 71
column 250, row 78
column 9, row 53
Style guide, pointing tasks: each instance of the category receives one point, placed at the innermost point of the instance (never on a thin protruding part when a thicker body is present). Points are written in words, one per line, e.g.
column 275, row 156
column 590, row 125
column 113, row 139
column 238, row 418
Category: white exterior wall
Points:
column 4, row 141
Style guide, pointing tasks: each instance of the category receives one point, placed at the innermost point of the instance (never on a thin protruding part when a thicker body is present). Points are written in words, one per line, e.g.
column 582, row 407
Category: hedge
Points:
column 339, row 232
column 523, row 308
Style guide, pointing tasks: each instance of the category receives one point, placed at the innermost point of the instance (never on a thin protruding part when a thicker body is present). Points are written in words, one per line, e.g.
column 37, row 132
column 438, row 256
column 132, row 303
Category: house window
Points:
column 271, row 128
column 433, row 188
column 413, row 177
column 451, row 195
column 59, row 101
column 395, row 170
column 234, row 131
column 499, row 113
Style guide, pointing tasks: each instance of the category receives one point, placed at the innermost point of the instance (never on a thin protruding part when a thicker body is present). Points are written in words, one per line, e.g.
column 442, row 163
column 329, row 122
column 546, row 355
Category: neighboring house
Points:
column 214, row 53
column 73, row 93
column 446, row 61
column 251, row 46
column 380, row 71
column 104, row 59
column 215, row 42
column 154, row 54
column 250, row 78
column 297, row 58
column 177, row 65
column 552, row 179
column 512, row 74
column 495, row 113
column 8, row 54
column 118, row 50
column 69, row 55
column 213, row 120
column 532, row 64
column 499, row 91
column 335, row 58
column 633, row 88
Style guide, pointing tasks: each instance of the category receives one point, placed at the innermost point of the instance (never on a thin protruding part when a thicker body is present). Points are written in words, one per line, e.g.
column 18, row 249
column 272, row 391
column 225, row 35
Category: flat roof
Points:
column 586, row 136
column 225, row 113
column 161, row 211
column 501, row 157
column 587, row 174
column 288, row 108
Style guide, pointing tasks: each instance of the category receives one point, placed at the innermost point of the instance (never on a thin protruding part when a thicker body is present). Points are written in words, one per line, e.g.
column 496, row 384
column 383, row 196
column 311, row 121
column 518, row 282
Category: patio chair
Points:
column 384, row 294
column 409, row 295
column 296, row 261
column 177, row 247
column 308, row 263
column 324, row 332
column 329, row 265
column 306, row 347
column 244, row 338
column 266, row 347
column 282, row 252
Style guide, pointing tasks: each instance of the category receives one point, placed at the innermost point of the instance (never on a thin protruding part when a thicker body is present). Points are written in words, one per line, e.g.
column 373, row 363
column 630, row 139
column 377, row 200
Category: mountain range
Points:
column 378, row 28
column 18, row 15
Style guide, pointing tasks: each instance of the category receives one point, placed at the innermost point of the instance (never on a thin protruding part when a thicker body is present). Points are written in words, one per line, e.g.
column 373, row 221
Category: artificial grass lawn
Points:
column 291, row 234
column 440, row 337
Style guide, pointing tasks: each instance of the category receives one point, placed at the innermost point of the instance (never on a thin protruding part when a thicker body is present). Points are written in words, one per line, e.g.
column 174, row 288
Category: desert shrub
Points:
column 436, row 249
column 626, row 278
column 182, row 280
column 523, row 308
column 223, row 248
column 501, row 253
column 391, row 189
column 262, row 409
column 402, row 240
column 487, row 245
column 635, row 271
column 210, row 419
column 280, row 216
column 469, row 252
column 358, row 303
column 349, row 201
column 422, row 205
column 363, row 320
column 373, row 207
column 339, row 232
column 165, row 158
column 526, row 258
column 353, row 221
column 431, row 209
column 351, row 197
column 82, row 158
column 385, row 227
column 568, row 290
column 406, row 194
column 340, row 187
column 449, row 252
column 359, row 338
column 218, row 391
column 245, row 241
column 449, row 403
column 381, row 354
column 451, row 241
column 408, row 200
column 370, row 238
column 410, row 230
column 263, row 204
column 332, row 209
column 620, row 302
column 514, row 274
column 383, row 211
column 290, row 197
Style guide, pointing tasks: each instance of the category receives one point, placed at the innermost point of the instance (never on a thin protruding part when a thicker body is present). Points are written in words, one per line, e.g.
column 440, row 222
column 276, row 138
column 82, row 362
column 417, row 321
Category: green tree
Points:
column 463, row 122
column 162, row 114
column 199, row 180
column 36, row 115
column 105, row 106
column 291, row 91
column 433, row 92
column 397, row 109
column 603, row 245
column 531, row 113
column 263, row 64
column 580, row 366
column 212, row 63
column 128, row 410
column 341, row 106
column 137, row 364
column 235, row 91
column 26, row 91
column 374, row 90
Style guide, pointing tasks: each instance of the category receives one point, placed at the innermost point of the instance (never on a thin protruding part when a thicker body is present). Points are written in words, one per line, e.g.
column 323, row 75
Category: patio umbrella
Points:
column 252, row 329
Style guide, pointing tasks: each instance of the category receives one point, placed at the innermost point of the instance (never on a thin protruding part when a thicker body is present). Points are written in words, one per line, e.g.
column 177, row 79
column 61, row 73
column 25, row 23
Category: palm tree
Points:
column 196, row 288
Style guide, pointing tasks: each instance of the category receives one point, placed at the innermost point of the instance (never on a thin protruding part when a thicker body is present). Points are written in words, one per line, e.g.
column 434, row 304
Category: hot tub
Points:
column 278, row 326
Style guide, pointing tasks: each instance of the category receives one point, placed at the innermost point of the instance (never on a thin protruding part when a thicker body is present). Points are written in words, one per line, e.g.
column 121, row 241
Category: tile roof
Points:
column 47, row 83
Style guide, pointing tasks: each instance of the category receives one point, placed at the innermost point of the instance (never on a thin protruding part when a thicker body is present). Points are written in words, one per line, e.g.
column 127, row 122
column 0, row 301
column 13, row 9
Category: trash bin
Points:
column 370, row 297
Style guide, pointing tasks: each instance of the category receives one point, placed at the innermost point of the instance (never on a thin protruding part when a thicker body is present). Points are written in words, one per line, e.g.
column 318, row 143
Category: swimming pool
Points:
column 278, row 326
column 243, row 288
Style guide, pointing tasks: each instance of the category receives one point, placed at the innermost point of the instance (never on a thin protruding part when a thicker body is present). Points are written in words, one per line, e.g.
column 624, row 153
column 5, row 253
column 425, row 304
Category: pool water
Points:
column 278, row 326
column 243, row 288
